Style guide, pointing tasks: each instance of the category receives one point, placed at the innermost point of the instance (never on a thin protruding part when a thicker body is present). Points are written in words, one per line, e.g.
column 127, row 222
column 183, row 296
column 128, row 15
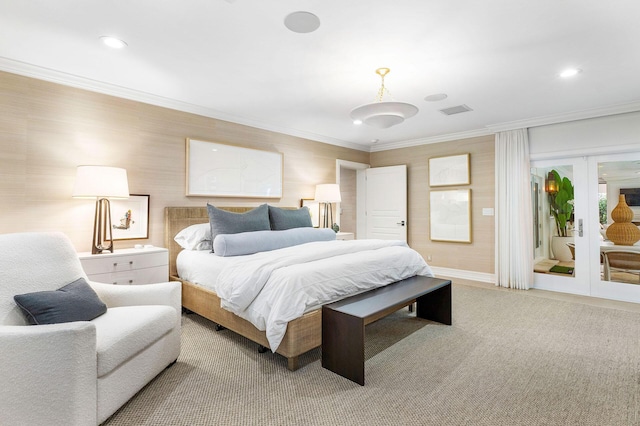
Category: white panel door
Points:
column 386, row 203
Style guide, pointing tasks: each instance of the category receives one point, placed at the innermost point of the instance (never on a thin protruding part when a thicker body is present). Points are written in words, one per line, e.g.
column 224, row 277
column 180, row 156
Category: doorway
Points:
column 574, row 263
column 377, row 197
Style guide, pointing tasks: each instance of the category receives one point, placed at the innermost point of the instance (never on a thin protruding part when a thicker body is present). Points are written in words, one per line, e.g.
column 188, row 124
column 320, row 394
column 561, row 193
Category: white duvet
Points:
column 269, row 289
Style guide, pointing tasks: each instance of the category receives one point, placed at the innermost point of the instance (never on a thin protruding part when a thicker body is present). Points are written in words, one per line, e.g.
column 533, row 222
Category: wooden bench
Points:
column 343, row 322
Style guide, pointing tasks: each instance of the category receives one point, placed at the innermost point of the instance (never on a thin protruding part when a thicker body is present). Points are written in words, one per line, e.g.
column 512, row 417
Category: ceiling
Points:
column 235, row 60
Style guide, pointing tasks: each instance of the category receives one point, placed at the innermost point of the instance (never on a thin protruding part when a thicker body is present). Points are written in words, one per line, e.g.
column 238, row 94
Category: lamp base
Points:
column 102, row 235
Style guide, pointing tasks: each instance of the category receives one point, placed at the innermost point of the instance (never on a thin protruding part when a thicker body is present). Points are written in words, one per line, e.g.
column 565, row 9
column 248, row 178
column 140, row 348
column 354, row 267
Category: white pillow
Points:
column 195, row 237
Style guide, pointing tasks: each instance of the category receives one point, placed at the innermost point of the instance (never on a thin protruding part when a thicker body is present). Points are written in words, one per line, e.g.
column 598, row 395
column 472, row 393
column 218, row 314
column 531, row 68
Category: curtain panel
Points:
column 514, row 217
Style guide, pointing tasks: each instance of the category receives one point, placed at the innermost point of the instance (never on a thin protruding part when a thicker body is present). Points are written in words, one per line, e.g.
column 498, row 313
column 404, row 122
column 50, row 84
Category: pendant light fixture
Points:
column 383, row 114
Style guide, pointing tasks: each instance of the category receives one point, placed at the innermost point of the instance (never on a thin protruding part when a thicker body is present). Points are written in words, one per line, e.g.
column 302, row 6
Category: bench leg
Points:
column 436, row 306
column 343, row 345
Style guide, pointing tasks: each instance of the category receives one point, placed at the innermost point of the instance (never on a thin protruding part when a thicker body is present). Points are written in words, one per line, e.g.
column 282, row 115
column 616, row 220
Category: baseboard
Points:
column 465, row 275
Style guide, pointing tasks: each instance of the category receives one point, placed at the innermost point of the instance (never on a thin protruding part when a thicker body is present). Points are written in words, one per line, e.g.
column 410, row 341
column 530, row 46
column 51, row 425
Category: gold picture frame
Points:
column 450, row 215
column 449, row 170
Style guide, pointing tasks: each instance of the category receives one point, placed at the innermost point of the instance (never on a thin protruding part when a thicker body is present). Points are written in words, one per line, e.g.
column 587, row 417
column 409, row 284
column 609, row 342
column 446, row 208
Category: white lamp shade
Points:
column 101, row 182
column 328, row 193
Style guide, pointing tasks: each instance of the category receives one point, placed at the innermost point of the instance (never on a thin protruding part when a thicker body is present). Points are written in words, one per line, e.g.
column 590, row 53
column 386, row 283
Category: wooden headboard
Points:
column 178, row 218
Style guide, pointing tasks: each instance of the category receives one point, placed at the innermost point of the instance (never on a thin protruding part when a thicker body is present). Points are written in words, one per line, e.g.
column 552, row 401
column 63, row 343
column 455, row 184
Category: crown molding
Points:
column 66, row 79
column 434, row 139
column 563, row 118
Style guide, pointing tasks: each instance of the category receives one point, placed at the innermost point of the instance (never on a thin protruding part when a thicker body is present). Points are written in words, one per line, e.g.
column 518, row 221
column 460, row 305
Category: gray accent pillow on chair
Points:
column 73, row 302
column 224, row 222
column 282, row 219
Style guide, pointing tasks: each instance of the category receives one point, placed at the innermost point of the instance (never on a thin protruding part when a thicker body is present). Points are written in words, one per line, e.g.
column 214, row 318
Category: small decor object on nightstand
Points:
column 131, row 217
column 335, row 227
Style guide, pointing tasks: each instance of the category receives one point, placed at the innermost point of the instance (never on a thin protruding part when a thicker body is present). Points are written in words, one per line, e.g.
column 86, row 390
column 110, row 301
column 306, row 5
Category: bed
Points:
column 302, row 333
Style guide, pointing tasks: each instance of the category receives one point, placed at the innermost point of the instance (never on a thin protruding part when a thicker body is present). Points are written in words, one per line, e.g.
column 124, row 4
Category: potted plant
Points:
column 561, row 201
column 560, row 192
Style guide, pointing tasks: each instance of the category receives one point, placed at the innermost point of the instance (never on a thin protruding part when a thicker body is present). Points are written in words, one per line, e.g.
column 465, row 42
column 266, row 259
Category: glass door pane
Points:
column 561, row 263
column 618, row 228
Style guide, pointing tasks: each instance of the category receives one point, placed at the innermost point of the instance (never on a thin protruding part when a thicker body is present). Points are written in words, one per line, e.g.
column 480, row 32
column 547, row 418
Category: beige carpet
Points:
column 509, row 359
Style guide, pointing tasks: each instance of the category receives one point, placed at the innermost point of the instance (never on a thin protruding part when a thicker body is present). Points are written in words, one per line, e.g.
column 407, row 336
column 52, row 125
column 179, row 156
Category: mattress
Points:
column 269, row 289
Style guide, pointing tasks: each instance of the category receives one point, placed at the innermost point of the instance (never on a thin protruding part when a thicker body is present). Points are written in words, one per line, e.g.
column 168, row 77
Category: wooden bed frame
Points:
column 303, row 334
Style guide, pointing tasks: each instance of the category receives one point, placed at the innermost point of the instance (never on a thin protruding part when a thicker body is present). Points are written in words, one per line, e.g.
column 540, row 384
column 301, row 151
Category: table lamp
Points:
column 101, row 183
column 328, row 193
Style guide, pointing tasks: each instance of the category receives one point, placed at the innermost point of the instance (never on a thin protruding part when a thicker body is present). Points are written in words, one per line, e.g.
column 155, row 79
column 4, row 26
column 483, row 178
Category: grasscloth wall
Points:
column 46, row 130
column 477, row 256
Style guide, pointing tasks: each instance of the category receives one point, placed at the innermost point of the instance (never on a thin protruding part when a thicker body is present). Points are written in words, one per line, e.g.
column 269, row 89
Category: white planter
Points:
column 560, row 248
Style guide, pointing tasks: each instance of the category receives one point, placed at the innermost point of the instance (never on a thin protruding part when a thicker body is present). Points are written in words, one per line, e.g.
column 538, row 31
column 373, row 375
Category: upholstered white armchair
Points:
column 80, row 372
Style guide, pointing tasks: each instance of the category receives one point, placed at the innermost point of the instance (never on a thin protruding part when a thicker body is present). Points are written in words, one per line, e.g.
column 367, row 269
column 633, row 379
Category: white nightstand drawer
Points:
column 139, row 276
column 344, row 236
column 127, row 266
column 101, row 263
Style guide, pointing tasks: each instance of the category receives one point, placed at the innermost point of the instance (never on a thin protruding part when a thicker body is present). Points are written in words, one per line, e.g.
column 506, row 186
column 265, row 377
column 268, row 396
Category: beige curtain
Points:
column 514, row 218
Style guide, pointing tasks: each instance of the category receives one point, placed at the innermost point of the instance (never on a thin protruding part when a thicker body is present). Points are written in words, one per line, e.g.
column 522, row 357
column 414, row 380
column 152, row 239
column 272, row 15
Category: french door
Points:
column 558, row 267
column 597, row 181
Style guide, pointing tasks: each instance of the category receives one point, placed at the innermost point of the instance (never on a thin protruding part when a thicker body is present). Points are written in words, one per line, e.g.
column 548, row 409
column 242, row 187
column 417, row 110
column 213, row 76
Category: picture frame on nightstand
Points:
column 314, row 209
column 130, row 217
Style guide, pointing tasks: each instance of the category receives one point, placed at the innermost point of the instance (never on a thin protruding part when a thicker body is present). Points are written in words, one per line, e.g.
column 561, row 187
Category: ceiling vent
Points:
column 455, row 110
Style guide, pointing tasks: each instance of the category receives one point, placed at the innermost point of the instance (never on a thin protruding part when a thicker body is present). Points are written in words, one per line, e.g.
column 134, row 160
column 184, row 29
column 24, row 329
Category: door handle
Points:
column 401, row 223
column 580, row 230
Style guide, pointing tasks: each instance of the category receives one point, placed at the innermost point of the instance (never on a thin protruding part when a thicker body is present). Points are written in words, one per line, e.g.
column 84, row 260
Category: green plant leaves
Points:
column 561, row 203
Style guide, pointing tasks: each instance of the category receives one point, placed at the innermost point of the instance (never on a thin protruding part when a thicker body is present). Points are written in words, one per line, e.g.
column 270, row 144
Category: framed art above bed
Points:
column 222, row 170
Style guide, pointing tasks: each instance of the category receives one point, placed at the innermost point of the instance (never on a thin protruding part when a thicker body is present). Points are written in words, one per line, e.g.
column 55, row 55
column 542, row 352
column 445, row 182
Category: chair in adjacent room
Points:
column 621, row 261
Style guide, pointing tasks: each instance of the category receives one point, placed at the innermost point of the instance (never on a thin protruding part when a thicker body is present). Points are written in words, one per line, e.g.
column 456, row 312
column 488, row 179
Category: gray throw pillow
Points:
column 224, row 222
column 73, row 302
column 282, row 219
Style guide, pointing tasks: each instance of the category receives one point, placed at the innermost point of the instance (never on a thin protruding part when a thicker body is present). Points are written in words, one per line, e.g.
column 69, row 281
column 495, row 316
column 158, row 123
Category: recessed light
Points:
column 114, row 43
column 436, row 97
column 302, row 22
column 570, row 72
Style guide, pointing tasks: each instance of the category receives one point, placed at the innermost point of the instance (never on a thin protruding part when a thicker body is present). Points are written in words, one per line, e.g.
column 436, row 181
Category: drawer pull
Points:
column 130, row 281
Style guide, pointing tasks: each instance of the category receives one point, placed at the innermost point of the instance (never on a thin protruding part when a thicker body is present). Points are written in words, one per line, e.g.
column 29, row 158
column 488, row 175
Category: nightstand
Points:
column 127, row 266
column 344, row 236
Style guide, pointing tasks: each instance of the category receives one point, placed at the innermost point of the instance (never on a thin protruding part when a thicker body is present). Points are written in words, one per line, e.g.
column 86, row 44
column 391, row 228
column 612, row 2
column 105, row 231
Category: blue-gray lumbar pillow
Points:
column 282, row 219
column 73, row 302
column 224, row 222
column 254, row 242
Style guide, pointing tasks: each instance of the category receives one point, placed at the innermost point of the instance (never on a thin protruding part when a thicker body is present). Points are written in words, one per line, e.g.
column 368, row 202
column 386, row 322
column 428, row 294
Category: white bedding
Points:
column 269, row 289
